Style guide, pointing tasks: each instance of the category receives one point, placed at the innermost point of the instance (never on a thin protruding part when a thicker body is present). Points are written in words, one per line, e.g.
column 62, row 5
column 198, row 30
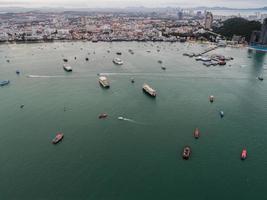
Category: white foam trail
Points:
column 129, row 120
column 43, row 76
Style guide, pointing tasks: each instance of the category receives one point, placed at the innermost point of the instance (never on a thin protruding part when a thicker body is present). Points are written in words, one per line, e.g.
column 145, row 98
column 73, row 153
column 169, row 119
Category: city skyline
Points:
column 132, row 3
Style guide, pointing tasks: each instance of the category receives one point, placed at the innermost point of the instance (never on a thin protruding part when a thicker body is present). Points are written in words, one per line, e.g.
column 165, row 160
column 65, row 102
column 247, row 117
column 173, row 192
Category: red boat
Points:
column 244, row 154
column 103, row 116
column 196, row 133
column 58, row 138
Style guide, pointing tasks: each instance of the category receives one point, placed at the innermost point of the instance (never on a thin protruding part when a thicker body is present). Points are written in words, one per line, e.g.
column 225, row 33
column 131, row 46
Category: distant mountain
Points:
column 126, row 9
column 226, row 8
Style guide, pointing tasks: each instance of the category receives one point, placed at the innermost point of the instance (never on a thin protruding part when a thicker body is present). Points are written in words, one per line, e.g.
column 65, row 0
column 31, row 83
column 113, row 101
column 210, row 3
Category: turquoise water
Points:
column 140, row 158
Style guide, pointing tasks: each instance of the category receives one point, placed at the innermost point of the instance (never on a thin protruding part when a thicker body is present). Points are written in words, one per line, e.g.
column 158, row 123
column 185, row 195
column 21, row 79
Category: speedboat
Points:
column 244, row 154
column 118, row 61
column 5, row 82
column 221, row 114
column 58, row 138
column 102, row 116
column 211, row 98
column 196, row 133
column 120, row 118
column 186, row 152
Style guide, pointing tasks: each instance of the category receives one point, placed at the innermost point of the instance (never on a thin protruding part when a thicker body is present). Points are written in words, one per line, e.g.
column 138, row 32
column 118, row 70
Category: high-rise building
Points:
column 199, row 14
column 208, row 20
column 180, row 15
column 263, row 37
column 255, row 38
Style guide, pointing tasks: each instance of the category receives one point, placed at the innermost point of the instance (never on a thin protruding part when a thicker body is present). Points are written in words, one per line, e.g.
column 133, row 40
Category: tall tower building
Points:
column 264, row 32
column 208, row 20
column 180, row 15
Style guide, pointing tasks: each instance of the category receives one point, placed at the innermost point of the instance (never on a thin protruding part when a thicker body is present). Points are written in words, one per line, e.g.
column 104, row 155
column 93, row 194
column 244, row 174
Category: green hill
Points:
column 238, row 26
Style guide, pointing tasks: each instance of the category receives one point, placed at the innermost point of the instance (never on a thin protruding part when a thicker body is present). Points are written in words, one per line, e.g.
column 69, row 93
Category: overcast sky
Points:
column 127, row 3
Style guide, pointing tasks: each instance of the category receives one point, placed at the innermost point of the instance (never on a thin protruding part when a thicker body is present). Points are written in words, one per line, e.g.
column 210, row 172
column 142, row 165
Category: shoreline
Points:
column 117, row 41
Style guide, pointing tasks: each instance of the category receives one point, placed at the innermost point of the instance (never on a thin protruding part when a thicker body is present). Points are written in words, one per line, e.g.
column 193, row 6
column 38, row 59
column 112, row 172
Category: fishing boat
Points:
column 5, row 82
column 211, row 98
column 244, row 154
column 102, row 116
column 149, row 90
column 221, row 114
column 103, row 80
column 58, row 138
column 196, row 133
column 186, row 152
column 67, row 68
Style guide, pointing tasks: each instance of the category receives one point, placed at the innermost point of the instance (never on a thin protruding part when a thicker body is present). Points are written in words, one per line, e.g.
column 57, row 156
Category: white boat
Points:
column 149, row 90
column 118, row 61
column 103, row 80
column 67, row 68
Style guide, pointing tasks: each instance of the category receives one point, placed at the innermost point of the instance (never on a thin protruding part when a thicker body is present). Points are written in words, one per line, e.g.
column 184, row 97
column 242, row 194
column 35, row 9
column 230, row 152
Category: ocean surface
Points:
column 137, row 158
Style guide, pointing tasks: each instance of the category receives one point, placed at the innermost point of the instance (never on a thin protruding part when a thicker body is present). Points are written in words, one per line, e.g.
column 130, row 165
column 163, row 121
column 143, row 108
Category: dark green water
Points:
column 140, row 159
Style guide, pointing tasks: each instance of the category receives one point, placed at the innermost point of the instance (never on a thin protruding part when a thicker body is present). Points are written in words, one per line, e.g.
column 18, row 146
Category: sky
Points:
column 133, row 3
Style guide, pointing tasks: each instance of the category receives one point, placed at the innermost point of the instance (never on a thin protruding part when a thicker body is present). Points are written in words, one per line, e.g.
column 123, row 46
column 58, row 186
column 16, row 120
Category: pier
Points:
column 207, row 51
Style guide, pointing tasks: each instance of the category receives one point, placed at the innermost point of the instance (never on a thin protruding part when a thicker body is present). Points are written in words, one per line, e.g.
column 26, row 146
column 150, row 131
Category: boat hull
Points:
column 151, row 95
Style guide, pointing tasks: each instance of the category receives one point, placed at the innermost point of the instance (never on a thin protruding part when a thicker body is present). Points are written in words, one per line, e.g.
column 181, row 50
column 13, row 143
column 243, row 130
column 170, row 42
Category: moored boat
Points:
column 260, row 78
column 58, row 138
column 243, row 154
column 186, row 152
column 67, row 68
column 103, row 116
column 149, row 90
column 103, row 80
column 4, row 82
column 211, row 98
column 196, row 133
column 117, row 61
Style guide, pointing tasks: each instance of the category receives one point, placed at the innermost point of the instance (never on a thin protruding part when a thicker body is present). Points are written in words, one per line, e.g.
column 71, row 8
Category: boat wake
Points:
column 43, row 76
column 129, row 120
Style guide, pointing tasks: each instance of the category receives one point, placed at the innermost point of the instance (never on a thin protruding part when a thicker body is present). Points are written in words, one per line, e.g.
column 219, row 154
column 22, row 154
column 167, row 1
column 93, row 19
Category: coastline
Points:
column 118, row 41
